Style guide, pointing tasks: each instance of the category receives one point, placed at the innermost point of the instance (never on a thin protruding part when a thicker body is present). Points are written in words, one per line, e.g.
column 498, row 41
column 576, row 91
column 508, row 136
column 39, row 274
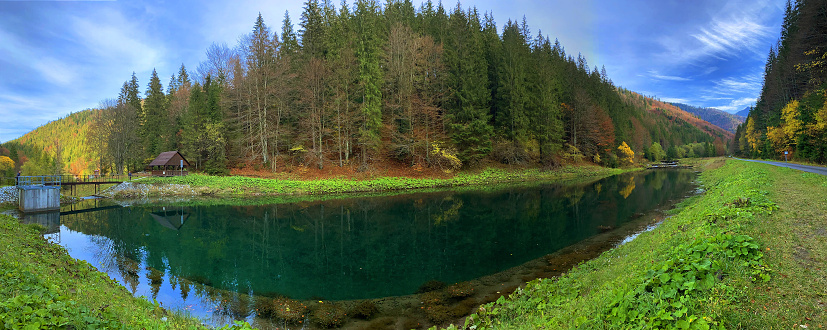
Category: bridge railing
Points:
column 38, row 180
column 50, row 180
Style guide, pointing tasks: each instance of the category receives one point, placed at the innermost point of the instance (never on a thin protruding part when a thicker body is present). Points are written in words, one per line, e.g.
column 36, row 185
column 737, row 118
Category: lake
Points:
column 222, row 260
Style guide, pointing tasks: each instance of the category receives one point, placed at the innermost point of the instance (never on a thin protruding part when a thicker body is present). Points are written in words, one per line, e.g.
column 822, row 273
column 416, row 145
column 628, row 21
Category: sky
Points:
column 59, row 57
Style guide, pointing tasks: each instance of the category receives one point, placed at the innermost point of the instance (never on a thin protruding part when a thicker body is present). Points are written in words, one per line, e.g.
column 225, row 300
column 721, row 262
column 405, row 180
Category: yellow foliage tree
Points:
column 820, row 124
column 753, row 135
column 6, row 165
column 778, row 138
column 792, row 124
column 626, row 154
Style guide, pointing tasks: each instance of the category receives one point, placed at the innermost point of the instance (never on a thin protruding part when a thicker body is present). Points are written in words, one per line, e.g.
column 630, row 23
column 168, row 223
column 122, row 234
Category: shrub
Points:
column 445, row 158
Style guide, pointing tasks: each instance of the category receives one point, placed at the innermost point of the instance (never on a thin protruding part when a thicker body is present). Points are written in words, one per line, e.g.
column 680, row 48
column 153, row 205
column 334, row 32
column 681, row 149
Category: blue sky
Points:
column 58, row 57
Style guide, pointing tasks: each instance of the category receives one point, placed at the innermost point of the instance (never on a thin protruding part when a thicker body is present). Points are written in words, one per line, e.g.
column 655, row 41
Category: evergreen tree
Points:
column 289, row 42
column 512, row 91
column 468, row 102
column 367, row 23
column 155, row 131
column 313, row 31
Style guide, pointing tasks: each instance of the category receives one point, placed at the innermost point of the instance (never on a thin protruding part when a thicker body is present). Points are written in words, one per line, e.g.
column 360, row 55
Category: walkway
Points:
column 806, row 168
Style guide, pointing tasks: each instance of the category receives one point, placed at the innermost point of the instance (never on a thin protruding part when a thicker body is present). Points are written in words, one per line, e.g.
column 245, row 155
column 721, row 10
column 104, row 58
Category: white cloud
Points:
column 674, row 100
column 738, row 28
column 749, row 84
column 113, row 40
column 737, row 104
column 656, row 75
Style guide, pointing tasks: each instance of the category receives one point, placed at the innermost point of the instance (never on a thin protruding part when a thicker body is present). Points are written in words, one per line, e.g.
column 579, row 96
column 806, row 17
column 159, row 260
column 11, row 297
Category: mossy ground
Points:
column 740, row 200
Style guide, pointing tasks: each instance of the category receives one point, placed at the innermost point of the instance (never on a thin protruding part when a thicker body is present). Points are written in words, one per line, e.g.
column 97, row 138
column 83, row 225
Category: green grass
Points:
column 237, row 185
column 747, row 254
column 41, row 286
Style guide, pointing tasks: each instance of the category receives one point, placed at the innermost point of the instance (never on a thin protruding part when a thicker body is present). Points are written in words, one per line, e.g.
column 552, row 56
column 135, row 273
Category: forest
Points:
column 791, row 113
column 365, row 84
column 714, row 116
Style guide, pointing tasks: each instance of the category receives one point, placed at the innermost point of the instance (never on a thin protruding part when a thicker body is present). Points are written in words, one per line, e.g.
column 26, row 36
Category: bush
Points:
column 445, row 158
column 510, row 153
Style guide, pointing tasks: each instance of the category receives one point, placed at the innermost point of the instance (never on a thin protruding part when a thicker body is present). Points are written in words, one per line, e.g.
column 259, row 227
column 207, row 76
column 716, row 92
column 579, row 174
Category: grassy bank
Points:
column 42, row 287
column 747, row 254
column 198, row 184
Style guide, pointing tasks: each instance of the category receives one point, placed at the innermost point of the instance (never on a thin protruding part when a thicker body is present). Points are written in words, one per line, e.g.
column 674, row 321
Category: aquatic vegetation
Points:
column 431, row 285
column 328, row 315
column 460, row 290
column 364, row 310
column 287, row 310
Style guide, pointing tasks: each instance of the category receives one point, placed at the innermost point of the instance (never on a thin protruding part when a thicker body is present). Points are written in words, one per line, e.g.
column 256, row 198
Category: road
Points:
column 805, row 168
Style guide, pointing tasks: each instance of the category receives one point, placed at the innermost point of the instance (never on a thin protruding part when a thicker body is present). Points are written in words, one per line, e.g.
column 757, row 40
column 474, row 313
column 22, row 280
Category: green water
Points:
column 355, row 248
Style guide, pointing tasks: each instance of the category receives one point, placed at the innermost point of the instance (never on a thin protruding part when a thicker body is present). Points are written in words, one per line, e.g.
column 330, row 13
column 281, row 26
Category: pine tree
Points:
column 155, row 132
column 313, row 31
column 512, row 91
column 367, row 24
column 468, row 102
column 289, row 42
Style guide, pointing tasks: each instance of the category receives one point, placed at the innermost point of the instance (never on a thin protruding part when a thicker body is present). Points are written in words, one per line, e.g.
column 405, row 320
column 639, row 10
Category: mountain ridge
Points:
column 722, row 119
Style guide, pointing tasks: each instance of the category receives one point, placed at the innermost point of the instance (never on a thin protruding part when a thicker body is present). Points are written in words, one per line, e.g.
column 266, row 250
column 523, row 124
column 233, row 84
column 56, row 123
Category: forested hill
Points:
column 59, row 146
column 791, row 112
column 364, row 85
column 714, row 116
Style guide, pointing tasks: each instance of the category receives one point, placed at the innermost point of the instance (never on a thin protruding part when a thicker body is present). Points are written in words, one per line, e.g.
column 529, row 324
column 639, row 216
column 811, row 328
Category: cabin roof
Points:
column 168, row 158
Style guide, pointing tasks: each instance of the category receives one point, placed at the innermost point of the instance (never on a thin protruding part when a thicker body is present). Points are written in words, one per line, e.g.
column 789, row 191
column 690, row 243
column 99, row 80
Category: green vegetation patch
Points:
column 246, row 186
column 42, row 287
column 689, row 273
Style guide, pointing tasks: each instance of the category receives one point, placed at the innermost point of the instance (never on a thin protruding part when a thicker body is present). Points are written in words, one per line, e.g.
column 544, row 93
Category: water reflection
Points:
column 238, row 259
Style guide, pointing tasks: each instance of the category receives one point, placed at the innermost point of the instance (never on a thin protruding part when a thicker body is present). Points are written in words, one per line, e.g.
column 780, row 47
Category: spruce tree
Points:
column 512, row 91
column 289, row 42
column 155, row 131
column 368, row 51
column 468, row 102
column 313, row 30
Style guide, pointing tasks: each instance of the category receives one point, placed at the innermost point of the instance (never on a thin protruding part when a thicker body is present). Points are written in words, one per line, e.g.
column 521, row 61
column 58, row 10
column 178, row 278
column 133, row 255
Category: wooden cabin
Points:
column 170, row 163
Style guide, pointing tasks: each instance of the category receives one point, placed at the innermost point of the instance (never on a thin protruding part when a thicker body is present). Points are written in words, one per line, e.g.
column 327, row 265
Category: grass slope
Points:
column 42, row 287
column 747, row 254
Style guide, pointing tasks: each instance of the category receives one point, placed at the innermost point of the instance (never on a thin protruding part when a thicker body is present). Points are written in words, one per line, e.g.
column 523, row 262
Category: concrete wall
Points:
column 38, row 198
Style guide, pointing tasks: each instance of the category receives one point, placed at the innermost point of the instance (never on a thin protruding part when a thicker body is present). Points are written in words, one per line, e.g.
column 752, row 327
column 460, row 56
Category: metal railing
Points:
column 38, row 180
column 51, row 180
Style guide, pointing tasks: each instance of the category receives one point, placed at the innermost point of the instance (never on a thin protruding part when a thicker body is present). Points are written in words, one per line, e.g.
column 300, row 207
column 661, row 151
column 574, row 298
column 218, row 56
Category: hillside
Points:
column 791, row 113
column 66, row 137
column 714, row 116
column 424, row 88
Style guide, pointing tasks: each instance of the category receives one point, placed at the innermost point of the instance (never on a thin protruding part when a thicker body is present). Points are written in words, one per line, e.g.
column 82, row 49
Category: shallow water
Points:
column 195, row 257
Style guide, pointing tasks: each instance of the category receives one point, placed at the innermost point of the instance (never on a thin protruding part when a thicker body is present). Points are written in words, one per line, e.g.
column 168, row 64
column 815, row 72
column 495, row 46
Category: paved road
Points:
column 805, row 168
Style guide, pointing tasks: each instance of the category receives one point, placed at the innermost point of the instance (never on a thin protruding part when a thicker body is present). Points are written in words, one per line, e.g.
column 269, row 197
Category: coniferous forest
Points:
column 357, row 85
column 791, row 113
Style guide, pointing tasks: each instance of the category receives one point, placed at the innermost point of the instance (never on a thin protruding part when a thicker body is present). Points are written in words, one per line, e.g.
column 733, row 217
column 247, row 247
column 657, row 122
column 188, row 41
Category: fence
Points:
column 68, row 179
